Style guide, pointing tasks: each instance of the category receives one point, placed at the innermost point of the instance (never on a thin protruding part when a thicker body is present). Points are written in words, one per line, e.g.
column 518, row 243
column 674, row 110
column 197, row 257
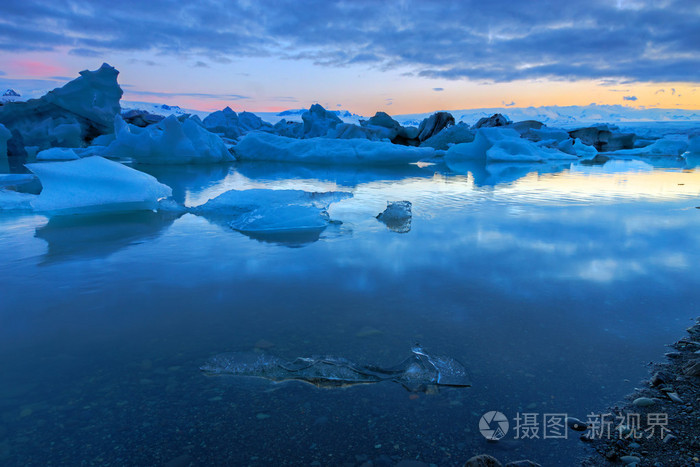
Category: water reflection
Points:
column 98, row 236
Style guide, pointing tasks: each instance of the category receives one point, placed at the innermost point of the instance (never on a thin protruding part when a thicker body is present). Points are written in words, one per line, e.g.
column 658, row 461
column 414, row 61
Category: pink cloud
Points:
column 34, row 68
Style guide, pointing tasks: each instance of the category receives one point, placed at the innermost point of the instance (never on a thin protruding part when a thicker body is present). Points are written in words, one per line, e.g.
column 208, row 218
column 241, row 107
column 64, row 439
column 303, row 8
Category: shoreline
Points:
column 659, row 423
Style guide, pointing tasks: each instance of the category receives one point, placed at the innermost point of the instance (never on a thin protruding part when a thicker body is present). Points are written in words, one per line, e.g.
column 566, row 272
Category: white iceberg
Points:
column 262, row 210
column 95, row 184
column 57, row 154
column 167, row 142
column 671, row 145
column 497, row 144
column 259, row 146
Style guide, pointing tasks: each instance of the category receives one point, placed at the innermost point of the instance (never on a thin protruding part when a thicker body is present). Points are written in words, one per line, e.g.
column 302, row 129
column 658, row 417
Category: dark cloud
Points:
column 84, row 52
column 512, row 103
column 201, row 64
column 438, row 89
column 629, row 98
column 500, row 40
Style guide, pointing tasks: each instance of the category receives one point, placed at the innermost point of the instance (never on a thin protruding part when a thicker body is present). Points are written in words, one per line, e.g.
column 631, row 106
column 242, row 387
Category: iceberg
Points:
column 434, row 124
column 497, row 144
column 72, row 115
column 420, row 372
column 15, row 201
column 57, row 154
column 455, row 134
column 318, row 121
column 167, row 142
column 95, row 184
column 272, row 212
column 259, row 146
column 233, row 125
column 397, row 216
column 667, row 146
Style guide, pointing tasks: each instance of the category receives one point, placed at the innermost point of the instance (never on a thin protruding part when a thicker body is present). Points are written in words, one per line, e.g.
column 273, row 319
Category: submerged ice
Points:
column 421, row 372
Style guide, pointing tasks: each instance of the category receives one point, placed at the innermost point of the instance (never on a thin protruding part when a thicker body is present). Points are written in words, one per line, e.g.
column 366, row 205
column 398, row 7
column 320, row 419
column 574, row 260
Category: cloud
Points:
column 629, row 98
column 2, row 73
column 495, row 41
column 508, row 105
column 81, row 52
column 201, row 64
column 438, row 89
column 198, row 95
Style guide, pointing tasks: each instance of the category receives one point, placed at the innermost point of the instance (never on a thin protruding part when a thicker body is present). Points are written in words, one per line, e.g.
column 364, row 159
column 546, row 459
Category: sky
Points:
column 362, row 55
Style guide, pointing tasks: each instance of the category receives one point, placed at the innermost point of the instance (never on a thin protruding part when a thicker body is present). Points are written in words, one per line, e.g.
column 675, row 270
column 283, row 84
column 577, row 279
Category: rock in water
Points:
column 643, row 402
column 79, row 111
column 576, row 424
column 397, row 216
column 434, row 124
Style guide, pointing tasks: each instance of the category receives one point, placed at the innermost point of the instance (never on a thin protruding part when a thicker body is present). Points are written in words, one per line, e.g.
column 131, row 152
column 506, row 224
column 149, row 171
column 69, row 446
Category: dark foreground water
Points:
column 553, row 289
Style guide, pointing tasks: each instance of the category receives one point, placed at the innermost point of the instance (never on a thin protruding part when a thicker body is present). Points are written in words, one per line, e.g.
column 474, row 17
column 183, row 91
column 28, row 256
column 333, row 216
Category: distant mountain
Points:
column 344, row 114
column 10, row 96
column 160, row 109
column 567, row 115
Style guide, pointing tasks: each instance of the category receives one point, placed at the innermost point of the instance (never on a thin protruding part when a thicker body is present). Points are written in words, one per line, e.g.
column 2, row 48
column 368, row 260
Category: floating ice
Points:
column 16, row 179
column 262, row 210
column 13, row 200
column 261, row 146
column 233, row 125
column 455, row 134
column 420, row 372
column 5, row 135
column 57, row 154
column 672, row 145
column 503, row 145
column 167, row 142
column 95, row 184
column 397, row 216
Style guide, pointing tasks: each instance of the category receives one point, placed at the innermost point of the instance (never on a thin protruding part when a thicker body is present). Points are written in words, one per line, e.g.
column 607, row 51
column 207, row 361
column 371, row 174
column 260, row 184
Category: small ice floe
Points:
column 397, row 216
column 95, row 184
column 420, row 372
column 262, row 213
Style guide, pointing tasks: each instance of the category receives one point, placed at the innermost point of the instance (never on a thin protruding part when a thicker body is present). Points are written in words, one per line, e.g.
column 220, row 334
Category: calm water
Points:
column 553, row 287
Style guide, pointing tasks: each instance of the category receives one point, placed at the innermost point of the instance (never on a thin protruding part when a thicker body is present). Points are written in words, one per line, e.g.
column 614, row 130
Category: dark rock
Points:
column 658, row 379
column 397, row 216
column 692, row 369
column 576, row 424
column 493, row 120
column 483, row 460
column 434, row 124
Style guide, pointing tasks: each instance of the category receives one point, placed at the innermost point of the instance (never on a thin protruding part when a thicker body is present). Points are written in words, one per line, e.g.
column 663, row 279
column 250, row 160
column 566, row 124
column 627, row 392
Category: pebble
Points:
column 483, row 460
column 627, row 460
column 262, row 416
column 674, row 397
column 643, row 402
column 576, row 424
column 668, row 438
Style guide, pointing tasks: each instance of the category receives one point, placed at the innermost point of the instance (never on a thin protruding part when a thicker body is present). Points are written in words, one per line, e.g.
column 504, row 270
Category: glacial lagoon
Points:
column 554, row 286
